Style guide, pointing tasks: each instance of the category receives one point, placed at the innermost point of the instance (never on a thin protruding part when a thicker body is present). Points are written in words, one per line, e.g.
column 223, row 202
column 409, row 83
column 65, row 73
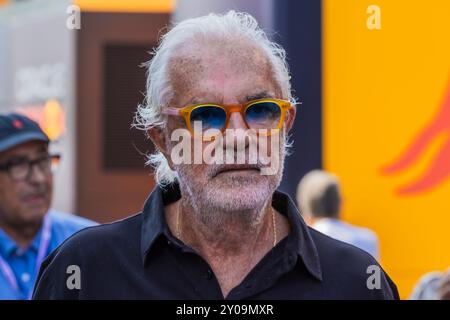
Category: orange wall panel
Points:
column 386, row 125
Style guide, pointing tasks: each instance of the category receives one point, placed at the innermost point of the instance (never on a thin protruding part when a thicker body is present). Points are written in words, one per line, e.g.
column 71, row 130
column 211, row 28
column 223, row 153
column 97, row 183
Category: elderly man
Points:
column 214, row 230
column 28, row 230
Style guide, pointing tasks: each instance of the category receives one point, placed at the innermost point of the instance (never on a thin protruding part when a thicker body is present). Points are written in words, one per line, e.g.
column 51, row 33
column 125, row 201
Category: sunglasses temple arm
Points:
column 171, row 111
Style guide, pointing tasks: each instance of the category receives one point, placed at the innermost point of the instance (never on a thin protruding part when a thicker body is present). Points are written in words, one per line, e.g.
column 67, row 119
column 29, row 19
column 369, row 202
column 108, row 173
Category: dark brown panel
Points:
column 124, row 83
column 110, row 190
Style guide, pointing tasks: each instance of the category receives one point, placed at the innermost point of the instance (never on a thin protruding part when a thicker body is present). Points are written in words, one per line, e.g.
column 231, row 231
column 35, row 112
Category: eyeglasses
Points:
column 258, row 114
column 19, row 169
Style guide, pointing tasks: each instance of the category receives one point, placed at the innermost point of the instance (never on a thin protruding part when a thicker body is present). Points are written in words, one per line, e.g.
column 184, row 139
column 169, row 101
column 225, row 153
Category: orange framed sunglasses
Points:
column 258, row 114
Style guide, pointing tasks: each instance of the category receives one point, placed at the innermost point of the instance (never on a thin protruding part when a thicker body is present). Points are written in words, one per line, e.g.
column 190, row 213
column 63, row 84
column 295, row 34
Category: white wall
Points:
column 37, row 46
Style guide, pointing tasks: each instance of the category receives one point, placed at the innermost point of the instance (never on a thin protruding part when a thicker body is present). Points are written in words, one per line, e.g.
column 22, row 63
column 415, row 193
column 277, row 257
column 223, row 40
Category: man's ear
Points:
column 158, row 137
column 290, row 117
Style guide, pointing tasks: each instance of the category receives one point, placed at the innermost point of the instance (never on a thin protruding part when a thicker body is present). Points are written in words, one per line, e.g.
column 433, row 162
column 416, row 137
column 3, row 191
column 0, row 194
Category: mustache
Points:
column 40, row 192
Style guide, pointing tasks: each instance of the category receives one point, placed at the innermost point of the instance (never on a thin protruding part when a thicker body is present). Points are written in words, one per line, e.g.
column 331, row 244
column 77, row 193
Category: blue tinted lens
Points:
column 263, row 115
column 211, row 117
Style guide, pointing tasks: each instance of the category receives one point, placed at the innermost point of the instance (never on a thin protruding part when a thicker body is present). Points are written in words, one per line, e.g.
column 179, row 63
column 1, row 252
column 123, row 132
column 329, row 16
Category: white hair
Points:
column 235, row 25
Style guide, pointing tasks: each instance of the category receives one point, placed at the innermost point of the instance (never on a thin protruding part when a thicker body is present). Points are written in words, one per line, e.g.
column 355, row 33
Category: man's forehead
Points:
column 199, row 59
column 25, row 149
column 203, row 76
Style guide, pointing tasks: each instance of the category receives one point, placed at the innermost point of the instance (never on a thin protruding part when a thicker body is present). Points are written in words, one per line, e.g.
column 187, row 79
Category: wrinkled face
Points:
column 26, row 201
column 225, row 73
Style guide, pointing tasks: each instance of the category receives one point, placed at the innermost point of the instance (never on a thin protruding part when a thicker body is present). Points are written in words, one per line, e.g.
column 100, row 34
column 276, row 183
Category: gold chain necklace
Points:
column 274, row 225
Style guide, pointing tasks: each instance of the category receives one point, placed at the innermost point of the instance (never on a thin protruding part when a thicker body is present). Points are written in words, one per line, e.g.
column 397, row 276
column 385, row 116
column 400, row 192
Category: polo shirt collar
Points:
column 302, row 241
column 154, row 221
column 8, row 246
column 154, row 225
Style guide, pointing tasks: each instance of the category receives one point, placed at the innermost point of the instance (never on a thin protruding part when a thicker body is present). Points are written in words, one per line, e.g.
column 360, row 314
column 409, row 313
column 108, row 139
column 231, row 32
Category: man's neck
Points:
column 233, row 247
column 23, row 235
column 236, row 233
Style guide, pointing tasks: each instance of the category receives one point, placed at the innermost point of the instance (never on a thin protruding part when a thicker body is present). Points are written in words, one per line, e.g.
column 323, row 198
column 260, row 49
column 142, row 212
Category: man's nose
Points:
column 236, row 121
column 236, row 131
column 37, row 175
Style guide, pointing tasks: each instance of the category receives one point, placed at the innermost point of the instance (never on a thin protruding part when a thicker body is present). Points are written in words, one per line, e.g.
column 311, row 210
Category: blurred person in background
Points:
column 319, row 199
column 29, row 231
column 432, row 286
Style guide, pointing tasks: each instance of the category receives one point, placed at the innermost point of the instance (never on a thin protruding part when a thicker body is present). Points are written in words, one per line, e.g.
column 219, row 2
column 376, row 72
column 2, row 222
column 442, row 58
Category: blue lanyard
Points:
column 43, row 246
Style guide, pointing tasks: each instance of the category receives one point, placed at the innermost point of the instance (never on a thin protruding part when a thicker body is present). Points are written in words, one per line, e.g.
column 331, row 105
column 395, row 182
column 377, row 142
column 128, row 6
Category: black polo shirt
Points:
column 139, row 258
